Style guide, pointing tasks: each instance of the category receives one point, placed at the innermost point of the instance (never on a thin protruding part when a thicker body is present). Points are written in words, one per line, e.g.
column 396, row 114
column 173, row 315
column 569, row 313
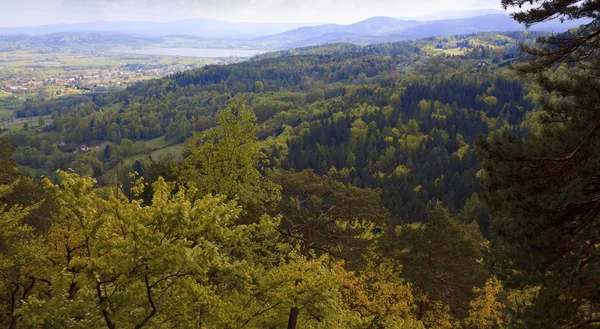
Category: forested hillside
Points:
column 409, row 185
column 402, row 117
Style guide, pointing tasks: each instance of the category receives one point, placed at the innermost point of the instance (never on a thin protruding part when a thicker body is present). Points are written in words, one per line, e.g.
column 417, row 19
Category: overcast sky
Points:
column 40, row 12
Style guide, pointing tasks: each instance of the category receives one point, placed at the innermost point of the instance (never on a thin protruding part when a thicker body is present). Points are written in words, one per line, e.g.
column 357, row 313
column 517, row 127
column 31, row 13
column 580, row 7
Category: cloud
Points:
column 38, row 12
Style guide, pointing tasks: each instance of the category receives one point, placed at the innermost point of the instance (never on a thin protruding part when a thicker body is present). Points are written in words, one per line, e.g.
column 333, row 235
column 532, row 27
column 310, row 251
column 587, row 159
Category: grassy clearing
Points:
column 452, row 52
column 18, row 124
column 14, row 127
column 29, row 170
column 7, row 104
column 5, row 113
column 176, row 151
column 157, row 143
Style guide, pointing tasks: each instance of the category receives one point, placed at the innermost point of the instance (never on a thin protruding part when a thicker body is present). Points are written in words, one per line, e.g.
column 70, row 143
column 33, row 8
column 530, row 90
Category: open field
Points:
column 157, row 143
column 5, row 113
column 452, row 51
column 28, row 169
column 457, row 51
column 65, row 63
column 174, row 150
column 16, row 125
column 7, row 105
column 6, row 98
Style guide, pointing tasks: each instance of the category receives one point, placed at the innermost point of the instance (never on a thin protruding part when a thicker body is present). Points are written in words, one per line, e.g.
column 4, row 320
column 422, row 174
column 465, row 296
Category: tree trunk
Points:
column 293, row 320
column 421, row 311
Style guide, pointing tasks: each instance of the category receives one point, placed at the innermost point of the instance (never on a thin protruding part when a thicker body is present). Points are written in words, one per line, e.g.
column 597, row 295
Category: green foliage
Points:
column 364, row 111
column 323, row 215
column 18, row 256
column 379, row 293
column 226, row 160
column 443, row 262
column 8, row 170
column 108, row 261
column 487, row 312
column 543, row 190
column 292, row 204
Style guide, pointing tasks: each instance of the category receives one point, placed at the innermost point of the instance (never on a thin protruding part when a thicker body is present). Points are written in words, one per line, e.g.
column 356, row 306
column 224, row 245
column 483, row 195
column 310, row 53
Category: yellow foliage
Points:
column 438, row 316
column 486, row 311
column 401, row 170
column 379, row 294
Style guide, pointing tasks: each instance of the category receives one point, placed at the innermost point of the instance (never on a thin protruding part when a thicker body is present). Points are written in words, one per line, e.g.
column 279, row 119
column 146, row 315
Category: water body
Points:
column 194, row 52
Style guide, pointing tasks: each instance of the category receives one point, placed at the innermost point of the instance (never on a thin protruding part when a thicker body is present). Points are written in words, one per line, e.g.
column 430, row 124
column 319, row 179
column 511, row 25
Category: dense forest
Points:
column 449, row 182
column 402, row 117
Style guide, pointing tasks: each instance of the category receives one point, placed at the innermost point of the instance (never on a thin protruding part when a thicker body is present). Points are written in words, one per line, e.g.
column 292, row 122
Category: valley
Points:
column 357, row 87
column 427, row 170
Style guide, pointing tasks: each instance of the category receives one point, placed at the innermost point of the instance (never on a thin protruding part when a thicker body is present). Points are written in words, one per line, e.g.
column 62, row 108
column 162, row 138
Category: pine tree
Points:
column 322, row 216
column 442, row 260
column 545, row 191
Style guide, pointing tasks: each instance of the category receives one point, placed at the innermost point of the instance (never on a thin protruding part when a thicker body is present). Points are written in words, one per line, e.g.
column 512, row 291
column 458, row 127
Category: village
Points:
column 67, row 83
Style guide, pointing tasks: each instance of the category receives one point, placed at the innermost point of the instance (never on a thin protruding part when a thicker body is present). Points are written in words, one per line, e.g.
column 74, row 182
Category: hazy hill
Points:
column 453, row 14
column 387, row 29
column 380, row 25
column 487, row 23
column 292, row 35
column 197, row 27
column 313, row 35
column 303, row 33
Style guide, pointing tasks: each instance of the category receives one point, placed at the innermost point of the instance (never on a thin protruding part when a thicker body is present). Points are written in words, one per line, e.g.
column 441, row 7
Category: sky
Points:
column 40, row 12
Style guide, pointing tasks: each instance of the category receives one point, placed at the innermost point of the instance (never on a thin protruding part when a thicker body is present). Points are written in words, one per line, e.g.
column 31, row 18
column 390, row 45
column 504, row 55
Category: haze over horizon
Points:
column 42, row 12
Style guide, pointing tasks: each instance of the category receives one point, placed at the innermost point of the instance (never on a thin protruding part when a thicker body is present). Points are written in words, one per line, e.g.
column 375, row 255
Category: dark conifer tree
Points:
column 545, row 191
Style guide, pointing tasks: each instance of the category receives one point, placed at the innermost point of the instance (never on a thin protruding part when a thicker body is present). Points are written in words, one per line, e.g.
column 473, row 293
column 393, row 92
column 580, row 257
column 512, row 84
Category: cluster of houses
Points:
column 16, row 89
column 479, row 65
column 62, row 145
column 22, row 86
column 103, row 78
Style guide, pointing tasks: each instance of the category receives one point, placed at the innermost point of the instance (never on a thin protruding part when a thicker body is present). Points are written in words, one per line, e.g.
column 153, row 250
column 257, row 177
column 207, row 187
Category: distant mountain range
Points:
column 386, row 29
column 208, row 28
column 334, row 32
column 291, row 35
column 453, row 14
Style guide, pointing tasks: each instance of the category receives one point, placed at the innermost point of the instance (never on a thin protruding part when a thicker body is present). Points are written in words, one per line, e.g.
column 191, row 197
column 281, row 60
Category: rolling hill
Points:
column 208, row 28
column 387, row 29
column 277, row 36
column 453, row 14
